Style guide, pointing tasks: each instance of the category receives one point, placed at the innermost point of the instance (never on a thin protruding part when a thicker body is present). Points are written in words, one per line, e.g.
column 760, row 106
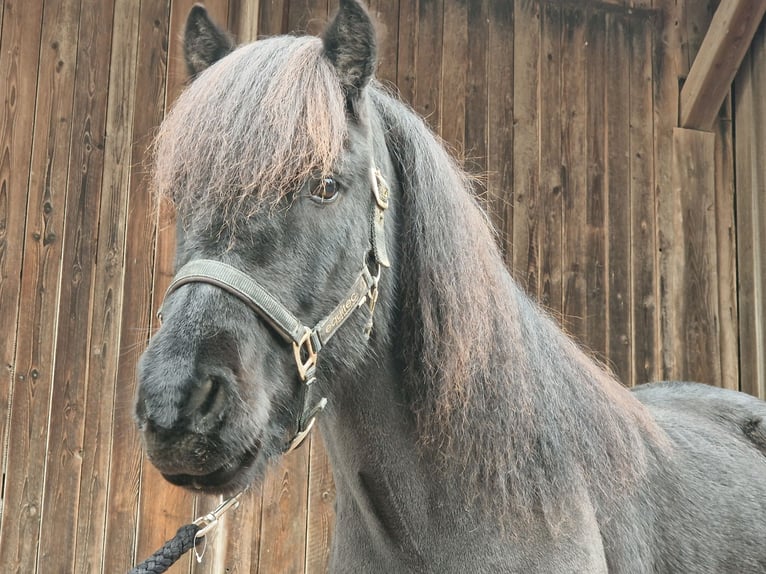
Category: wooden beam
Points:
column 725, row 44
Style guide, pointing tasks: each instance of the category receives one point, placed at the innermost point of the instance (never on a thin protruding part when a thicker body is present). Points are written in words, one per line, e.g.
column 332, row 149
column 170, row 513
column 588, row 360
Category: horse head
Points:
column 279, row 175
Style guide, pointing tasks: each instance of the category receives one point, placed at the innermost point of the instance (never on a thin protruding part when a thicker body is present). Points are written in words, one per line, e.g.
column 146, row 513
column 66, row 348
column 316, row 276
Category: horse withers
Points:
column 334, row 266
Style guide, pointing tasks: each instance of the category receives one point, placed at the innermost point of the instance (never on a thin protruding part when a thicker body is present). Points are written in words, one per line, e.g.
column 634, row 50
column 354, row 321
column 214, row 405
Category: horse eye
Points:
column 324, row 190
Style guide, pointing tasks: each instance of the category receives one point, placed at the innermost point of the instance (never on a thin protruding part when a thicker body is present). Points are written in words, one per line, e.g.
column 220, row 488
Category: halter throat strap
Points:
column 306, row 341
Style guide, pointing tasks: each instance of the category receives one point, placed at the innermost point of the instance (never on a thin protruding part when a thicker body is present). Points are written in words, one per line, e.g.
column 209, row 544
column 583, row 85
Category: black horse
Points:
column 332, row 258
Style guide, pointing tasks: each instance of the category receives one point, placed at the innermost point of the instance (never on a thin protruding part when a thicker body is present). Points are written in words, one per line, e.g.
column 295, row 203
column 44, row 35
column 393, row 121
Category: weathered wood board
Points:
column 645, row 240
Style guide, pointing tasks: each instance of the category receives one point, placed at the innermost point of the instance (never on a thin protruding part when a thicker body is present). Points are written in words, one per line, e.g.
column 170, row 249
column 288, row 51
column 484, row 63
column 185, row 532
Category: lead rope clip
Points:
column 210, row 521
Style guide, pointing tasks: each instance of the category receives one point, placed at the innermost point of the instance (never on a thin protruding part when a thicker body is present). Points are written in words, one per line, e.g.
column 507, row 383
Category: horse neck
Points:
column 475, row 385
column 384, row 491
column 393, row 497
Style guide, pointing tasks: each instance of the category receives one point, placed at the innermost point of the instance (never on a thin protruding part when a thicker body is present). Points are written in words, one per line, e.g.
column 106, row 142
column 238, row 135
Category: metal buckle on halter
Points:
column 300, row 436
column 307, row 372
column 372, row 300
column 380, row 189
column 305, row 366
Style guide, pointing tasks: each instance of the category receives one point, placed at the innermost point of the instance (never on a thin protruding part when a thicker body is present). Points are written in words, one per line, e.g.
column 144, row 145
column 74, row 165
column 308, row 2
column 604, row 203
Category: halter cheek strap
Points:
column 307, row 342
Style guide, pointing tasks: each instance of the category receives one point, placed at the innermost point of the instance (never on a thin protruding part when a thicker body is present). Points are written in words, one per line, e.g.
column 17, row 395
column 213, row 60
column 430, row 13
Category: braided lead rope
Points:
column 186, row 539
column 170, row 552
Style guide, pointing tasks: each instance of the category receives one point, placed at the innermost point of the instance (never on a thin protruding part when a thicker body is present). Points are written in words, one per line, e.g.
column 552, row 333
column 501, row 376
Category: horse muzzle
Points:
column 201, row 461
column 230, row 477
column 188, row 419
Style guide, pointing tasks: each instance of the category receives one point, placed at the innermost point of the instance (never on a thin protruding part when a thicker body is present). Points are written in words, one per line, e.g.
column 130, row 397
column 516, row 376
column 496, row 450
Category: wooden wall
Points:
column 620, row 223
column 750, row 149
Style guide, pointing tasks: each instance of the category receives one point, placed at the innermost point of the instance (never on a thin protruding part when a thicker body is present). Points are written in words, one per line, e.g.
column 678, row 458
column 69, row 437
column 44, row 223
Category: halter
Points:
column 307, row 342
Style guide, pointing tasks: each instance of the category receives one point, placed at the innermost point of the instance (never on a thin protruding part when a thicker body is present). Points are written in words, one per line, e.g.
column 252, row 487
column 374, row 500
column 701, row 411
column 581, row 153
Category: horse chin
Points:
column 230, row 478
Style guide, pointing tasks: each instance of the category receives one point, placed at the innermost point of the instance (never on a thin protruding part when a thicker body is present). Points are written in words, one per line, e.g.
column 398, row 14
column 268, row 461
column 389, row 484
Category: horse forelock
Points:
column 252, row 127
column 503, row 399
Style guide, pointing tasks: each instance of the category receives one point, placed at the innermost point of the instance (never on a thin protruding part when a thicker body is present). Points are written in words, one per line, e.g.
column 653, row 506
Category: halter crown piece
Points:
column 306, row 342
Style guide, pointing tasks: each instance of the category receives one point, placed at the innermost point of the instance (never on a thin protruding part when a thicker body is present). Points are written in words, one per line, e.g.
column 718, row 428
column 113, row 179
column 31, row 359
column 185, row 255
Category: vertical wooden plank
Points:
column 19, row 57
column 407, row 49
column 385, row 14
column 307, row 16
column 759, row 217
column 242, row 540
column 272, row 18
column 594, row 256
column 321, row 508
column 619, row 262
column 244, row 20
column 2, row 10
column 573, row 146
column 747, row 175
column 643, row 334
column 107, row 298
column 500, row 131
column 80, row 233
column 750, row 117
column 454, row 75
column 122, row 537
column 176, row 71
column 697, row 18
column 214, row 558
column 476, row 99
column 684, row 26
column 693, row 284
column 527, row 63
column 428, row 62
column 727, row 247
column 285, row 496
column 668, row 67
column 548, row 239
column 35, row 335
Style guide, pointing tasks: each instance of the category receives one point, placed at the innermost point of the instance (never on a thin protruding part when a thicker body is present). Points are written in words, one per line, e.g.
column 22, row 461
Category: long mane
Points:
column 278, row 94
column 502, row 396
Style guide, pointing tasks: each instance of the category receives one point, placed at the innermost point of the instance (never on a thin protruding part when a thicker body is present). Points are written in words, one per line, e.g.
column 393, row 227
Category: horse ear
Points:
column 349, row 43
column 204, row 42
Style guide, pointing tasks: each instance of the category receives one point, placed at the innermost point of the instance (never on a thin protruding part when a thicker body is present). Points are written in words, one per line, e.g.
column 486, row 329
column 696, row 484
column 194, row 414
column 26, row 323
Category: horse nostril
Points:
column 213, row 386
column 208, row 400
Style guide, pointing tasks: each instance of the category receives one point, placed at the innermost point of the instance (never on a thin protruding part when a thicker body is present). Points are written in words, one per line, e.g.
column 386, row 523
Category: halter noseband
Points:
column 306, row 341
